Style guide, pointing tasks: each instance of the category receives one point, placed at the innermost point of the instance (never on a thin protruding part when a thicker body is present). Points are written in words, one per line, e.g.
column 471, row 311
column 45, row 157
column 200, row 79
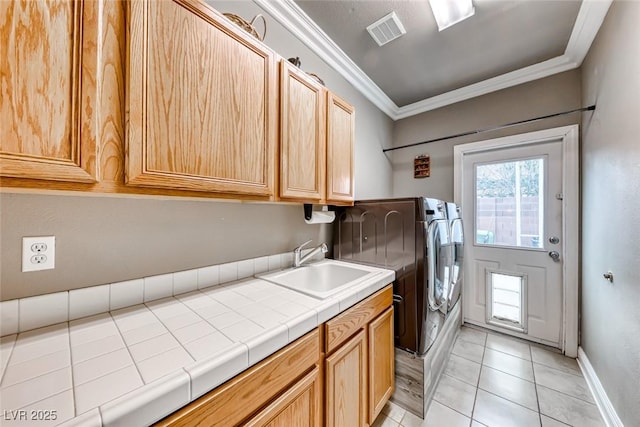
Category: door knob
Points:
column 554, row 240
column 554, row 255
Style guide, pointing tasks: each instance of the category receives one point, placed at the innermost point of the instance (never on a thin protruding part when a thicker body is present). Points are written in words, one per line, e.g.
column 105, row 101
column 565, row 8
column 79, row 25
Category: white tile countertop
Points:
column 135, row 365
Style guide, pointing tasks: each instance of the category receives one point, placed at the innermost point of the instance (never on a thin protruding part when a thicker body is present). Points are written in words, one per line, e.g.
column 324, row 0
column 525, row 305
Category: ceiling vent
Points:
column 386, row 29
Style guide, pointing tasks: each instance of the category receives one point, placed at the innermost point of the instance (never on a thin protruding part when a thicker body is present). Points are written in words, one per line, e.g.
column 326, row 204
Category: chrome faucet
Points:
column 298, row 259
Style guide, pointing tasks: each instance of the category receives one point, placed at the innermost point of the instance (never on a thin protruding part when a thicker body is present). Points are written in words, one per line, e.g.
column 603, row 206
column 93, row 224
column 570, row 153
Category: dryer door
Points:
column 439, row 264
column 457, row 246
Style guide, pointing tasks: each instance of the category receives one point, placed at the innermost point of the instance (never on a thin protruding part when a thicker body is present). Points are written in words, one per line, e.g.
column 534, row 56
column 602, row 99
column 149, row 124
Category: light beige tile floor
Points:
column 494, row 380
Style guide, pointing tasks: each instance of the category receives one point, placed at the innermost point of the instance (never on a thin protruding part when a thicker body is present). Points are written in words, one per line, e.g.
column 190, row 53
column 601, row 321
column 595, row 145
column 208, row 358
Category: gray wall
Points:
column 107, row 239
column 610, row 322
column 553, row 94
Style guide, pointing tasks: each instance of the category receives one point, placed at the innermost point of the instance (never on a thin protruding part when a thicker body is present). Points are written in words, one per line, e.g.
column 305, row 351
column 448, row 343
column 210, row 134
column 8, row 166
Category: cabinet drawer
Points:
column 343, row 326
column 242, row 396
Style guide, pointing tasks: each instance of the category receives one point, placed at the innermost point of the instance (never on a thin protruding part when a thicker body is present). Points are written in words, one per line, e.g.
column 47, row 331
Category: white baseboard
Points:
column 607, row 410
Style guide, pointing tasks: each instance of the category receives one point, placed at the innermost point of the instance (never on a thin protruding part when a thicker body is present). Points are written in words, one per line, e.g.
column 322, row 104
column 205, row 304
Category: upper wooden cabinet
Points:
column 340, row 138
column 302, row 138
column 162, row 98
column 46, row 117
column 202, row 101
column 316, row 141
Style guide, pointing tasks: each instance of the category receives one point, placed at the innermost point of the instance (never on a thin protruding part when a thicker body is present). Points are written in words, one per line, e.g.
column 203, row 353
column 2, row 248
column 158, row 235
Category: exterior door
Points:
column 512, row 211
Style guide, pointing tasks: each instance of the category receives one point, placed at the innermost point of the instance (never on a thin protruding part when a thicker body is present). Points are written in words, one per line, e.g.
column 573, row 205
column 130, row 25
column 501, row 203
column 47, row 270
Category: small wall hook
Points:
column 609, row 276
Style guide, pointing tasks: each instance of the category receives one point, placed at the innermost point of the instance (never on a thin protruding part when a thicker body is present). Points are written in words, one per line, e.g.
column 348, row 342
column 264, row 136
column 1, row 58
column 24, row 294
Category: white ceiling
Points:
column 506, row 42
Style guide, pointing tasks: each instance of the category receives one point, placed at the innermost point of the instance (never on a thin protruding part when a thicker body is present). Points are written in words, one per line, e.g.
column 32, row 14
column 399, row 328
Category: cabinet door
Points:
column 381, row 359
column 346, row 379
column 303, row 139
column 297, row 406
column 340, row 138
column 202, row 100
column 45, row 126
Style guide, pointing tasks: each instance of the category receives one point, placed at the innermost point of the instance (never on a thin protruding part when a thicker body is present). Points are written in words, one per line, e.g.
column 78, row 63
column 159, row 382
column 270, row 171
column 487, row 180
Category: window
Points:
column 510, row 203
column 507, row 299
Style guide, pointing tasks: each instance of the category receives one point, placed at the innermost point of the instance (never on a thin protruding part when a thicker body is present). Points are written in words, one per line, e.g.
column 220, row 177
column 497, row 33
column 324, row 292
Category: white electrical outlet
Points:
column 38, row 253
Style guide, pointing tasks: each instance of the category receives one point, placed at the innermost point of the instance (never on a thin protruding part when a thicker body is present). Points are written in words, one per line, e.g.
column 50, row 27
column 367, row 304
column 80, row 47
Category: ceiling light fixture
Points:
column 450, row 12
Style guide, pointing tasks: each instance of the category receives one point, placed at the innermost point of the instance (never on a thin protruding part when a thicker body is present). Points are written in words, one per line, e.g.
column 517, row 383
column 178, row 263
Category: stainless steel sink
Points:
column 321, row 279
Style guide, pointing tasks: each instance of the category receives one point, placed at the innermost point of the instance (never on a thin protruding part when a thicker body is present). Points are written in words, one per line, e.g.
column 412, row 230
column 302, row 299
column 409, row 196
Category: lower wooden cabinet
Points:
column 346, row 379
column 359, row 365
column 257, row 388
column 298, row 406
column 339, row 375
column 381, row 363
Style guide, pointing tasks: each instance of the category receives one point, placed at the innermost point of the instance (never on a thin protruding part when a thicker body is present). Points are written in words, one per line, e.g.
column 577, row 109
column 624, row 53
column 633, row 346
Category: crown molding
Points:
column 303, row 28
column 585, row 29
column 513, row 78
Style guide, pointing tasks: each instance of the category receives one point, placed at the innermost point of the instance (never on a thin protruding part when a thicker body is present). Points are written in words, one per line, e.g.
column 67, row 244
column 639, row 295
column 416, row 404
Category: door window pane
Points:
column 510, row 203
